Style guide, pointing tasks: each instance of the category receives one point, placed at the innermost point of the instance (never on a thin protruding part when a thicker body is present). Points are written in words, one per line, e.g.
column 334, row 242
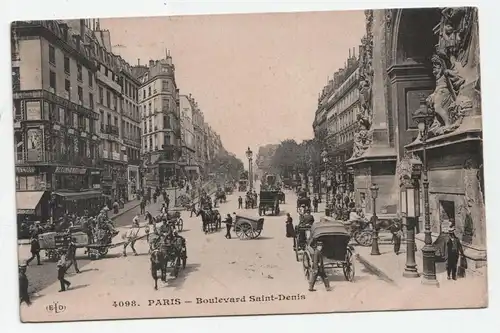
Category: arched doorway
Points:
column 413, row 43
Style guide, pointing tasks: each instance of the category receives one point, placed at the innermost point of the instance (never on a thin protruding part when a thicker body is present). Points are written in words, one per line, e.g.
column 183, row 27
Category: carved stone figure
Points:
column 362, row 138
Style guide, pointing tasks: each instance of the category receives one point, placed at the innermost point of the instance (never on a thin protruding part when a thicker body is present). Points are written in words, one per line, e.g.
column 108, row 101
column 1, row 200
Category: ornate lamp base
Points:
column 429, row 266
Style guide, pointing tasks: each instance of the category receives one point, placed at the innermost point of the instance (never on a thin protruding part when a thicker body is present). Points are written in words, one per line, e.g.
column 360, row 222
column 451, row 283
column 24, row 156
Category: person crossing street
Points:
column 318, row 268
column 229, row 224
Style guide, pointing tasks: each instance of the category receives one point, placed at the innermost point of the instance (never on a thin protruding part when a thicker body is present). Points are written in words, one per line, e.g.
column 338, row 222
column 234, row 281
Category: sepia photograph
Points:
column 248, row 164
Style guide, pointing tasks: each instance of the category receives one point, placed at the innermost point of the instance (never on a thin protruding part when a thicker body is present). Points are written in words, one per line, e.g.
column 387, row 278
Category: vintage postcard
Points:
column 249, row 164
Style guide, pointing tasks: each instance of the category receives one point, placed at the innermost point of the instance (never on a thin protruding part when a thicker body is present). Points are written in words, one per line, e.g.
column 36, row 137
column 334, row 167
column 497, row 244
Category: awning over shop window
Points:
column 28, row 201
column 79, row 195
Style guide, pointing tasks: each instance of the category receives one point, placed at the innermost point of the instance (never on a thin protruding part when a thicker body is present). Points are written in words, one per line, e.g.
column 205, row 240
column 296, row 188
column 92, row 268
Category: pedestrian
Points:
column 193, row 209
column 318, row 268
column 163, row 208
column 154, row 197
column 240, row 202
column 167, row 200
column 71, row 255
column 23, row 286
column 131, row 236
column 290, row 231
column 229, row 224
column 397, row 234
column 35, row 250
column 454, row 250
column 61, row 272
column 315, row 204
column 143, row 206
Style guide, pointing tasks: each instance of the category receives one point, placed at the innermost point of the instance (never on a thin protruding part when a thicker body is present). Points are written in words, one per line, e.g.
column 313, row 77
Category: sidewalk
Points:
column 126, row 208
column 390, row 267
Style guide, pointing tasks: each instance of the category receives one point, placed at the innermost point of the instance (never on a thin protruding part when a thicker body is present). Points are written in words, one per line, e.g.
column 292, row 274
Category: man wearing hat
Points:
column 35, row 249
column 23, row 286
column 318, row 268
column 131, row 236
column 454, row 250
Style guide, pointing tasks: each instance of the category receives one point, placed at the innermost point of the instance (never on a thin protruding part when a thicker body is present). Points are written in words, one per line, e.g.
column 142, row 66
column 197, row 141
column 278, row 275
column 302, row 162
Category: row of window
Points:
column 67, row 67
column 153, row 142
column 150, row 90
column 343, row 120
column 149, row 126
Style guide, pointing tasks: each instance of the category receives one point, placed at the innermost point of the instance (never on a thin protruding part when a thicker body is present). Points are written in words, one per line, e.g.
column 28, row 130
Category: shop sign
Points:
column 33, row 110
column 71, row 170
column 25, row 169
column 96, row 186
column 26, row 211
column 95, row 172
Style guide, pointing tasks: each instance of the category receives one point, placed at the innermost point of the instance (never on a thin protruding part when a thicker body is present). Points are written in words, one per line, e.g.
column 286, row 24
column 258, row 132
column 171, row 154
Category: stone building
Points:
column 199, row 137
column 56, row 132
column 414, row 58
column 130, row 125
column 188, row 145
column 110, row 108
column 335, row 120
column 160, row 114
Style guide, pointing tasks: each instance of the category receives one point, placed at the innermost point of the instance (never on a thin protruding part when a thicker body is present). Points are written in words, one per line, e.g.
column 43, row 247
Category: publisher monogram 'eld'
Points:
column 183, row 166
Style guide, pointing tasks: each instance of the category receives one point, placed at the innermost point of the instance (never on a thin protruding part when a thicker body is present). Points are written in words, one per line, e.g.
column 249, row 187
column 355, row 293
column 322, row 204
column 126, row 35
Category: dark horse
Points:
column 158, row 263
column 211, row 220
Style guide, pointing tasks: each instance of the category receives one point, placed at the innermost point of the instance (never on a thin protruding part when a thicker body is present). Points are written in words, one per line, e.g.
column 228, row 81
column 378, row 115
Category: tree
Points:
column 264, row 158
column 227, row 164
column 285, row 158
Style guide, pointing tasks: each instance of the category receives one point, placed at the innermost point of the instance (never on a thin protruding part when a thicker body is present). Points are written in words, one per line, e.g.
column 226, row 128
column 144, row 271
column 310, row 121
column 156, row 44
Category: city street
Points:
column 217, row 267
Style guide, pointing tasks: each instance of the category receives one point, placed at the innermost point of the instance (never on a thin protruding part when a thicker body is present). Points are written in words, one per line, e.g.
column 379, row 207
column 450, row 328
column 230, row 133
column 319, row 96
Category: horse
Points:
column 211, row 221
column 158, row 263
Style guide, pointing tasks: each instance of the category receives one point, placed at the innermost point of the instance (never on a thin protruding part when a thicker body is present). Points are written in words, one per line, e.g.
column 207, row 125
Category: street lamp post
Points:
column 375, row 249
column 423, row 117
column 324, row 157
column 249, row 154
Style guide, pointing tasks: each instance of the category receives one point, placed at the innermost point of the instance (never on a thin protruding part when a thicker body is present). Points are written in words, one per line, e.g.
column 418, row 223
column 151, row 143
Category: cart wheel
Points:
column 238, row 231
column 180, row 224
column 296, row 252
column 250, row 233
column 184, row 260
column 306, row 265
column 244, row 227
column 103, row 251
column 348, row 267
column 257, row 233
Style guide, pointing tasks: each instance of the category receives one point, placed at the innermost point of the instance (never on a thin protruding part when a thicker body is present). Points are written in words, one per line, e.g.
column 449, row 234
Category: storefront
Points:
column 133, row 181
column 32, row 206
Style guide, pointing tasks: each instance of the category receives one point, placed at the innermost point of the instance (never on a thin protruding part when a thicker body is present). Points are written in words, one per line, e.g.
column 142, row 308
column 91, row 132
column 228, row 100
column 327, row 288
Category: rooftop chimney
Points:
column 169, row 58
column 349, row 52
column 151, row 63
column 354, row 52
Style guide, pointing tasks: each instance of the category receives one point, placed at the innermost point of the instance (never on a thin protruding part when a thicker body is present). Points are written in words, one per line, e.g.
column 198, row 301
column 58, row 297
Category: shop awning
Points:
column 79, row 195
column 28, row 201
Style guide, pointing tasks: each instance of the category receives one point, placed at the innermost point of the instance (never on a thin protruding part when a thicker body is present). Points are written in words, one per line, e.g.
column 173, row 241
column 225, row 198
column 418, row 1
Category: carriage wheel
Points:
column 103, row 251
column 257, row 233
column 250, row 233
column 306, row 265
column 180, row 224
column 348, row 267
column 296, row 252
column 364, row 238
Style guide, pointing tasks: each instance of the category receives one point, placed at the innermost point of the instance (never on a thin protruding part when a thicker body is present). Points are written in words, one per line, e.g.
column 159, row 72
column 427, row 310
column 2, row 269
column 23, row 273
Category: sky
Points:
column 256, row 77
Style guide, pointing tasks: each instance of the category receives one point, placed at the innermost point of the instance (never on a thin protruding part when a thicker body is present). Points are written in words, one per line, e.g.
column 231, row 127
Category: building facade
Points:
column 199, row 126
column 191, row 167
column 109, row 103
column 56, row 132
column 414, row 59
column 130, row 125
column 335, row 122
column 160, row 114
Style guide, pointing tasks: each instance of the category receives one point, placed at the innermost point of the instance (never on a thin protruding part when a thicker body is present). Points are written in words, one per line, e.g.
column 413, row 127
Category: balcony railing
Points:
column 57, row 158
column 109, row 129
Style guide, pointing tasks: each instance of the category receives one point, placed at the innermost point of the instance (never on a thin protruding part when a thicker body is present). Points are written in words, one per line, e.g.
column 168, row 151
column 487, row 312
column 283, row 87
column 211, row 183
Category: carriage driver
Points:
column 318, row 268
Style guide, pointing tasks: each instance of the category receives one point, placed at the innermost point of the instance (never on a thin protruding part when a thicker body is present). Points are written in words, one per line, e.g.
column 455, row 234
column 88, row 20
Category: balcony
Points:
column 110, row 129
column 33, row 157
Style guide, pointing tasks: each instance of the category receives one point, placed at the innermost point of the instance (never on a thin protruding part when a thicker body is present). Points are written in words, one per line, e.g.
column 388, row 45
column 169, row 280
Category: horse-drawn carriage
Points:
column 304, row 201
column 55, row 243
column 336, row 251
column 220, row 195
column 167, row 252
column 228, row 188
column 174, row 219
column 242, row 185
column 247, row 227
column 269, row 200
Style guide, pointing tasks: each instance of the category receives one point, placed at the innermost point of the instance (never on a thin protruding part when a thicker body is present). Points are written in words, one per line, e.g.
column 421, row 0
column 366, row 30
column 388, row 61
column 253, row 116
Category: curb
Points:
column 374, row 269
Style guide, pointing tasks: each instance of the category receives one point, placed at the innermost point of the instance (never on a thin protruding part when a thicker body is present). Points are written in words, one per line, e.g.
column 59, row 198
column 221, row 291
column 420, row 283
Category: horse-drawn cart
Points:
column 248, row 227
column 336, row 251
column 269, row 200
column 55, row 243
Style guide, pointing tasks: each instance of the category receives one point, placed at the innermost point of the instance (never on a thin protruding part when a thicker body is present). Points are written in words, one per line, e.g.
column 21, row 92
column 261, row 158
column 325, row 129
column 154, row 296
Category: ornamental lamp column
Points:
column 249, row 154
column 424, row 118
column 375, row 249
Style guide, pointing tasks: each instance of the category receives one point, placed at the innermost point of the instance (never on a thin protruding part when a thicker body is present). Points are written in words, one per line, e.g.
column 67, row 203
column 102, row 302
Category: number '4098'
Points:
column 121, row 304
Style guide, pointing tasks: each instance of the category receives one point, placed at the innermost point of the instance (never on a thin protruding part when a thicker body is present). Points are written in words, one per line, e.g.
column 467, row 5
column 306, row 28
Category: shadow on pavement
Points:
column 80, row 286
column 263, row 238
column 183, row 274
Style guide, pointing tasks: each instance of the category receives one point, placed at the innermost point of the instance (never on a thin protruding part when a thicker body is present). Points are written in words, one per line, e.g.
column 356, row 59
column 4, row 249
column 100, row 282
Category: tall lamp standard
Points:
column 250, row 173
column 324, row 157
column 423, row 117
column 375, row 249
